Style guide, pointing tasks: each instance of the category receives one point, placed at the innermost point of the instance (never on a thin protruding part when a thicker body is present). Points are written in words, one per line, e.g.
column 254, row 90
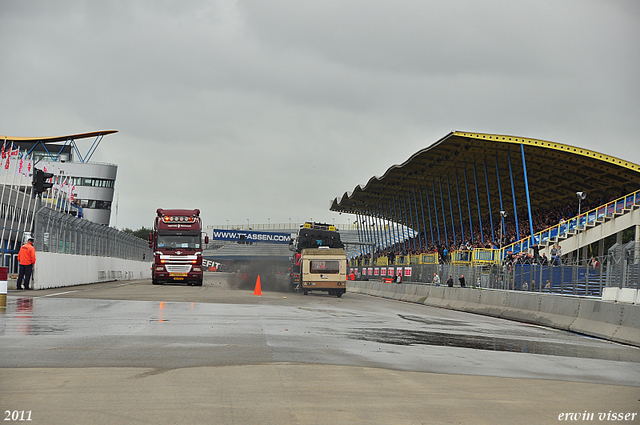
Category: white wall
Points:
column 54, row 270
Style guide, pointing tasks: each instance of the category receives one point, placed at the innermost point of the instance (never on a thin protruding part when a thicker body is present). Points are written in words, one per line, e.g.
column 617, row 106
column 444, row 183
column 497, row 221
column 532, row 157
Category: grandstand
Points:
column 477, row 199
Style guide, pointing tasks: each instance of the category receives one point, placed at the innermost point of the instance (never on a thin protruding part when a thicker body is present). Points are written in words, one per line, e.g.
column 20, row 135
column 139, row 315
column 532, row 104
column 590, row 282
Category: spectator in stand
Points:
column 450, row 282
column 554, row 255
column 544, row 261
column 536, row 253
column 559, row 255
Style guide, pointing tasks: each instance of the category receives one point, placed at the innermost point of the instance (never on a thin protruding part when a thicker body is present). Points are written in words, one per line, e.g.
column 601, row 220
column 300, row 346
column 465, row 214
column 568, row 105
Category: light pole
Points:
column 289, row 222
column 227, row 224
column 503, row 214
column 269, row 220
column 247, row 224
column 581, row 196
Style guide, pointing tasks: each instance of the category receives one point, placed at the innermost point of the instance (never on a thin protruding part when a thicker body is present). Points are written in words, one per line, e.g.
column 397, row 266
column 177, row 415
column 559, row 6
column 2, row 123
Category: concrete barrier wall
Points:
column 54, row 270
column 615, row 321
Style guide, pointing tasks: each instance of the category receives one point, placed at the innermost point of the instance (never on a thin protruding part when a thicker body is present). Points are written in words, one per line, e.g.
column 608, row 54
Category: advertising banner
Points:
column 251, row 236
column 407, row 271
column 376, row 271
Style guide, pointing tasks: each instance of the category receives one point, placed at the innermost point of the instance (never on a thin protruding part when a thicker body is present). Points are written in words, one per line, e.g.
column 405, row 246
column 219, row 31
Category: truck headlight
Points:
column 196, row 269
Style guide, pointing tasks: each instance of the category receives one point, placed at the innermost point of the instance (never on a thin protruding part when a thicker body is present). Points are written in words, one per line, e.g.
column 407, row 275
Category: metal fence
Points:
column 58, row 232
column 619, row 268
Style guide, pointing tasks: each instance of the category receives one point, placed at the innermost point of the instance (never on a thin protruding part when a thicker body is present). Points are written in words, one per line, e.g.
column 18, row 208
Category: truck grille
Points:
column 178, row 268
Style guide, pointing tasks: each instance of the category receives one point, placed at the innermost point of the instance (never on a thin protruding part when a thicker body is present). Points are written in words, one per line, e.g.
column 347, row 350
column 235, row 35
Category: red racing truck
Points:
column 177, row 241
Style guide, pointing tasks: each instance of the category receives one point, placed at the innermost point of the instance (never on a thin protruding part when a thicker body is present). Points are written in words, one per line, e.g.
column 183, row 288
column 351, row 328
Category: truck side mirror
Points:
column 150, row 240
column 206, row 239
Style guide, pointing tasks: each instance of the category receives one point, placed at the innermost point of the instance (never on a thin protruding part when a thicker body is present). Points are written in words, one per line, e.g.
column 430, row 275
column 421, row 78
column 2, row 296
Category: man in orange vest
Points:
column 26, row 258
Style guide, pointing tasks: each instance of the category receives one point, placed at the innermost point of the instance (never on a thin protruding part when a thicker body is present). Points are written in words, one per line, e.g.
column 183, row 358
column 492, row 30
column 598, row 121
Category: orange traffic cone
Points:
column 258, row 290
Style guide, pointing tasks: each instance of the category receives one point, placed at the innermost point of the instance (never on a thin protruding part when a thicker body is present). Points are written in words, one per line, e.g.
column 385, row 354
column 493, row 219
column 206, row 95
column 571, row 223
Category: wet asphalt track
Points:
column 154, row 329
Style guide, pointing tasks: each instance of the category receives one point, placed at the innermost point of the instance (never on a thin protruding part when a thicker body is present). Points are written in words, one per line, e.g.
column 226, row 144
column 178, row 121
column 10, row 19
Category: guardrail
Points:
column 566, row 228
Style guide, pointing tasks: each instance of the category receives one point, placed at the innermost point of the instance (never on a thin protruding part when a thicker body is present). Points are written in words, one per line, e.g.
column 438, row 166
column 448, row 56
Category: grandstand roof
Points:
column 555, row 172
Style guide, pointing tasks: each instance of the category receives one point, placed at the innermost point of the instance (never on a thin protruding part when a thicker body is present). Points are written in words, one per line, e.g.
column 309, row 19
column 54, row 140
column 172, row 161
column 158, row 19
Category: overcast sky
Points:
column 267, row 110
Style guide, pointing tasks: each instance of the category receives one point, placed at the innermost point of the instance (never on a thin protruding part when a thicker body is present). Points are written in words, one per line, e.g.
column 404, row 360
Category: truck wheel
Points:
column 339, row 294
column 198, row 283
column 305, row 292
column 155, row 282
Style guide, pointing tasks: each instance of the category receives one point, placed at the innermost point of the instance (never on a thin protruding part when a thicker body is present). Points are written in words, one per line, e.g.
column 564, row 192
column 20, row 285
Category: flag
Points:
column 21, row 164
column 15, row 153
column 3, row 146
column 73, row 195
column 6, row 165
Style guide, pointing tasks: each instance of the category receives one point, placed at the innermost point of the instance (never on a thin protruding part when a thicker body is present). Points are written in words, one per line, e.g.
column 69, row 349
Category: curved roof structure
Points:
column 52, row 139
column 68, row 143
column 470, row 175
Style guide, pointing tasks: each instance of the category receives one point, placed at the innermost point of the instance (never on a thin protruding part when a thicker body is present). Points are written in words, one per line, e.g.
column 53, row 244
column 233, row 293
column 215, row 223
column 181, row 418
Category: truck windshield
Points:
column 175, row 242
column 325, row 266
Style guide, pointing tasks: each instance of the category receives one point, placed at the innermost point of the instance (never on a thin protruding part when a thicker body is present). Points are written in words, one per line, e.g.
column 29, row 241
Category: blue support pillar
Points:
column 444, row 218
column 486, row 178
column 359, row 235
column 398, row 224
column 376, row 231
column 370, row 237
column 453, row 226
column 475, row 182
column 460, row 209
column 387, row 210
column 513, row 194
column 380, row 228
column 526, row 186
column 410, row 218
column 394, row 230
column 416, row 223
column 466, row 187
column 424, row 228
column 385, row 222
column 435, row 210
column 500, row 194
column 433, row 240
column 383, row 227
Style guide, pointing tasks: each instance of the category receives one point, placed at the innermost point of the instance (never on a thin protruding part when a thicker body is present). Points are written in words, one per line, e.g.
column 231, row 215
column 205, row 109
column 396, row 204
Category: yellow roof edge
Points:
column 551, row 145
column 58, row 138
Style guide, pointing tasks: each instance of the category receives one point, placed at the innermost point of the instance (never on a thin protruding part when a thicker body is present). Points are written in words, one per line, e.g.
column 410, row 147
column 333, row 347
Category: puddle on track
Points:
column 607, row 351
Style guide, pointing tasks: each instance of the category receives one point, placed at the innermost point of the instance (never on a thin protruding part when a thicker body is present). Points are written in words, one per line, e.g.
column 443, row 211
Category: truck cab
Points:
column 177, row 243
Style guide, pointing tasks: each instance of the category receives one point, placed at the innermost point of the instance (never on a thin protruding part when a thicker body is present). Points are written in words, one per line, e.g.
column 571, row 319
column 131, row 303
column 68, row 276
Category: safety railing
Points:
column 461, row 257
column 567, row 228
column 403, row 260
column 382, row 261
column 429, row 258
column 485, row 256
